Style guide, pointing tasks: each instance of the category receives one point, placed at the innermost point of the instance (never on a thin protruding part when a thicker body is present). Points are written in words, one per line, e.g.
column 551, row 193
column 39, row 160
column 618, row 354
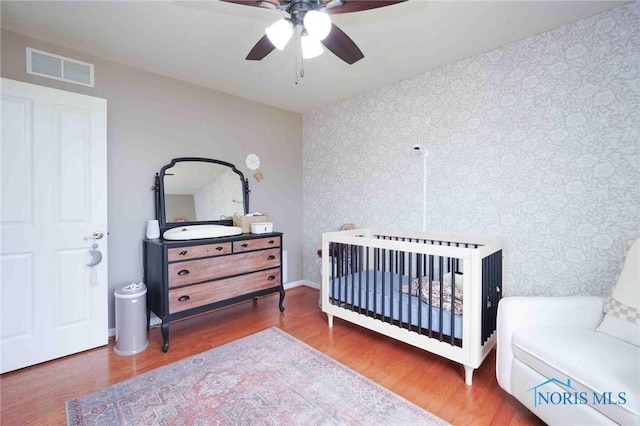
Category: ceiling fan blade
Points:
column 262, row 48
column 342, row 46
column 268, row 4
column 358, row 5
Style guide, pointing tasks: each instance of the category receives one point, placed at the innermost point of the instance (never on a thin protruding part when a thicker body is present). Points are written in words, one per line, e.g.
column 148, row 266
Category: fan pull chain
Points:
column 295, row 71
column 299, row 57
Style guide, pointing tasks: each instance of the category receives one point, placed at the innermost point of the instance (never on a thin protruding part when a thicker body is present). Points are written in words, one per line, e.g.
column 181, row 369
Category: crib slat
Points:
column 420, row 261
column 360, row 268
column 485, row 313
column 334, row 272
column 341, row 271
column 384, row 268
column 392, row 254
column 430, row 279
column 453, row 302
column 338, row 260
column 376, row 260
column 441, row 280
column 351, row 271
column 366, row 294
column 409, row 296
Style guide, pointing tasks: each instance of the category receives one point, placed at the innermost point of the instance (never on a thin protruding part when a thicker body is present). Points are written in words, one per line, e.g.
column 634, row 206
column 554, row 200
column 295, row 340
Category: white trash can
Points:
column 131, row 319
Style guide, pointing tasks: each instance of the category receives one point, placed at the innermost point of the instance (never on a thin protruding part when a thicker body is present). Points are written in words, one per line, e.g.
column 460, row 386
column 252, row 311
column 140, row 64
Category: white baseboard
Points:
column 301, row 283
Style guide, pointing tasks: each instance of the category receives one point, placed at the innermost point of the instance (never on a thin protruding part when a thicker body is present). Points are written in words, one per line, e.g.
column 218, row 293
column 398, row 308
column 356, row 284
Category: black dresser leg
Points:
column 281, row 299
column 165, row 336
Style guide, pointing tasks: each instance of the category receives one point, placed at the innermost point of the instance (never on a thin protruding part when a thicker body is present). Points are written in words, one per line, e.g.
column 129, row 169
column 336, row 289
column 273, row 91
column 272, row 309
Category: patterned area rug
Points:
column 268, row 378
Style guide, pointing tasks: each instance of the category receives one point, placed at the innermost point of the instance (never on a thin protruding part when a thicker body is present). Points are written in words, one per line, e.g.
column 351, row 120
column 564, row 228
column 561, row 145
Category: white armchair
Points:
column 553, row 360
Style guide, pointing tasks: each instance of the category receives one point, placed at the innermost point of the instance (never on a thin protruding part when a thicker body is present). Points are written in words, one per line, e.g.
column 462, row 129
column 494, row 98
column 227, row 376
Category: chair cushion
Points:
column 624, row 303
column 623, row 330
column 593, row 361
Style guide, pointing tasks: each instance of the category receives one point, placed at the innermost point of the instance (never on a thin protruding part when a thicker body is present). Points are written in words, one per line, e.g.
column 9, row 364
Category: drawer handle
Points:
column 218, row 248
column 183, row 272
column 271, row 278
column 183, row 298
column 245, row 245
column 271, row 257
column 271, row 241
column 183, row 253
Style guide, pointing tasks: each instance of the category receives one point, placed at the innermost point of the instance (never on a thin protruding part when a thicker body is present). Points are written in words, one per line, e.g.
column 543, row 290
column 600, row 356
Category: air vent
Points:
column 58, row 67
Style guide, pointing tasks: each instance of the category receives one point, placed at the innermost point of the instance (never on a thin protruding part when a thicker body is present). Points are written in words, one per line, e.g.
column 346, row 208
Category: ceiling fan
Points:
column 311, row 17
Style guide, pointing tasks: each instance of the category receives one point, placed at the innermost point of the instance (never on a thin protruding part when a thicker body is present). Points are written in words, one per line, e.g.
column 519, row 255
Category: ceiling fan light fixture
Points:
column 311, row 47
column 279, row 33
column 317, row 24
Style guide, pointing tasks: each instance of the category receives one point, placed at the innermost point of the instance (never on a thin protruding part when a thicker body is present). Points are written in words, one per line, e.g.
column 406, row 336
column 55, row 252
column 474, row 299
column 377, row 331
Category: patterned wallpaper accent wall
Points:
column 537, row 142
column 222, row 197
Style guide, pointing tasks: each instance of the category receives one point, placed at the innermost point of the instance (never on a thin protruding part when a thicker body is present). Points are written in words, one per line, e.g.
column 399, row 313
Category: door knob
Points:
column 95, row 236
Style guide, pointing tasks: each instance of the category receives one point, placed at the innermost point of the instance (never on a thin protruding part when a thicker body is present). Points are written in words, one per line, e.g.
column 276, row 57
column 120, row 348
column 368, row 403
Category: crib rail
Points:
column 392, row 286
column 414, row 283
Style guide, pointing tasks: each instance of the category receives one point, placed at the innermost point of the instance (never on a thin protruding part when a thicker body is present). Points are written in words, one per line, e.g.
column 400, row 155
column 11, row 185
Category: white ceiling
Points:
column 205, row 42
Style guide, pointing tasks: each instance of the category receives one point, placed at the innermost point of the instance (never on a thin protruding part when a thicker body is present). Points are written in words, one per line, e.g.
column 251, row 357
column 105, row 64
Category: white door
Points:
column 53, row 156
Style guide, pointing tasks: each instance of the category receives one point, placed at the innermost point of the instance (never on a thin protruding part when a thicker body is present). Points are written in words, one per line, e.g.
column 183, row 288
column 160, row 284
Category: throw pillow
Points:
column 622, row 310
column 435, row 292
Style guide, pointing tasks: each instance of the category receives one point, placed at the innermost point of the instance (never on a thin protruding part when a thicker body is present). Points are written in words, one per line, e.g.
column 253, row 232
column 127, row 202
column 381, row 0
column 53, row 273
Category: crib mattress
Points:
column 380, row 293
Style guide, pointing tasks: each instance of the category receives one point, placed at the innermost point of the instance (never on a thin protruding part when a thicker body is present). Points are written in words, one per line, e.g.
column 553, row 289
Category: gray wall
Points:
column 180, row 206
column 152, row 119
column 537, row 142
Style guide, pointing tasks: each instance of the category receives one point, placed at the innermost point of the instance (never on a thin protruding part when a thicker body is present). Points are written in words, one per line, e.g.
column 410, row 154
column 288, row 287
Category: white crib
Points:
column 438, row 292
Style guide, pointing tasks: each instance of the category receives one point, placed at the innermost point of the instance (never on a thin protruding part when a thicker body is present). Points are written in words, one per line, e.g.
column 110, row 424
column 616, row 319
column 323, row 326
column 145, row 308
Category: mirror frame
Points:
column 160, row 196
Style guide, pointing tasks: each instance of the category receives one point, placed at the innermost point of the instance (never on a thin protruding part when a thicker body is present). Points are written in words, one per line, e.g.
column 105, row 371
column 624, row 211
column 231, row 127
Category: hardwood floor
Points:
column 36, row 395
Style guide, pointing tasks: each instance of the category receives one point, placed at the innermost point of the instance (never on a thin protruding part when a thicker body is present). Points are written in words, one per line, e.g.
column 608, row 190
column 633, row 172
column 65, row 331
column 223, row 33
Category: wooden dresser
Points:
column 185, row 278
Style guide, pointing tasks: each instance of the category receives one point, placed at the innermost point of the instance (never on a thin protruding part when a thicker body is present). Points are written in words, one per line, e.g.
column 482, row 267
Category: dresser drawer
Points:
column 256, row 244
column 181, row 299
column 192, row 252
column 195, row 271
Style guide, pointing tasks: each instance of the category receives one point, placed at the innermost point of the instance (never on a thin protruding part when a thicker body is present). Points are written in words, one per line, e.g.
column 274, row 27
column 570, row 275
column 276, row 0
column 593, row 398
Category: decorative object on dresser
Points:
column 153, row 229
column 262, row 228
column 192, row 275
column 245, row 222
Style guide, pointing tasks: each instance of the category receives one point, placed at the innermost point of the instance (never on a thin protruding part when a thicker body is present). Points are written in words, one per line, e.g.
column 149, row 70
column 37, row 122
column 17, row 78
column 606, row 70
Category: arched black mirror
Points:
column 192, row 191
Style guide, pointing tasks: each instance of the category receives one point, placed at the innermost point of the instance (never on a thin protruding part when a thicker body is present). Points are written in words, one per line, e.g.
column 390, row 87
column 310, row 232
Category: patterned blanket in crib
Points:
column 435, row 292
